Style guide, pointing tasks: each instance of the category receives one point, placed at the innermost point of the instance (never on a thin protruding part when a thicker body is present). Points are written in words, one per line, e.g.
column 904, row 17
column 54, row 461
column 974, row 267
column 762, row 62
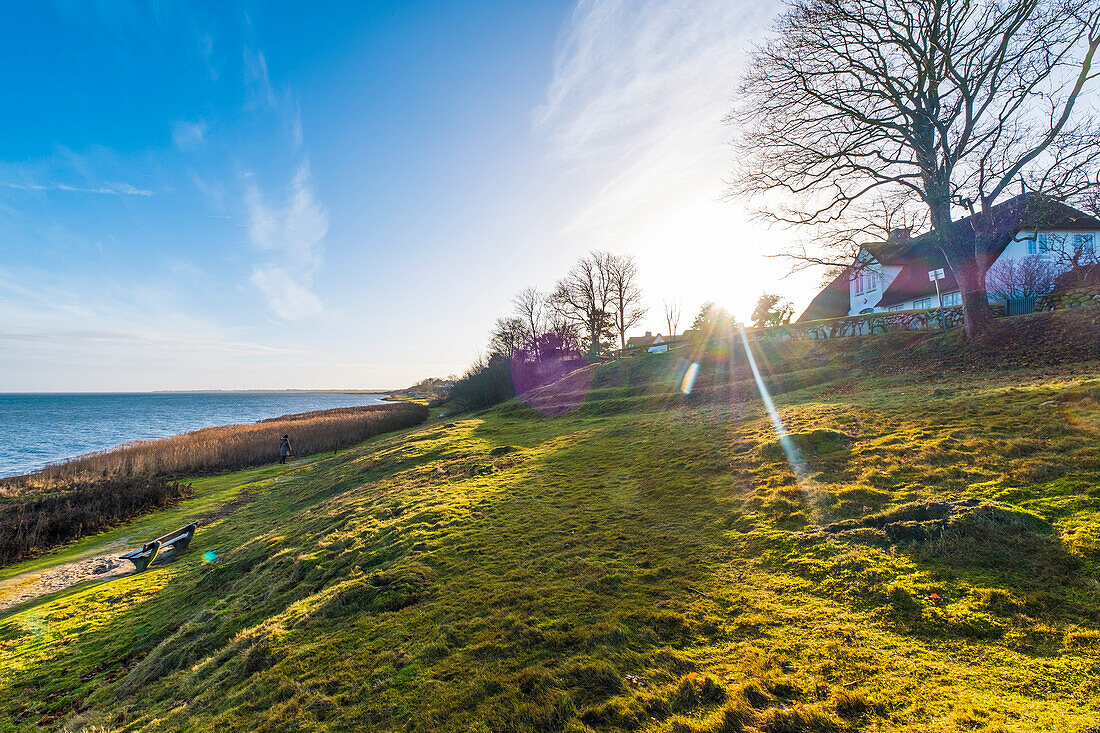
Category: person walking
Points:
column 284, row 448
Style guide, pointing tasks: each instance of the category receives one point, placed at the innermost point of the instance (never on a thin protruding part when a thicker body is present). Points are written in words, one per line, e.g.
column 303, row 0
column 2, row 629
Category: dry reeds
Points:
column 231, row 447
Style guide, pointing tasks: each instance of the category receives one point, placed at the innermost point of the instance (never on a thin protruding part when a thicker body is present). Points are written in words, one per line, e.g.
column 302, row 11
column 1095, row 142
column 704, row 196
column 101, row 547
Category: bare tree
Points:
column 836, row 246
column 508, row 336
column 625, row 295
column 532, row 307
column 944, row 103
column 567, row 333
column 1029, row 277
column 583, row 299
column 672, row 318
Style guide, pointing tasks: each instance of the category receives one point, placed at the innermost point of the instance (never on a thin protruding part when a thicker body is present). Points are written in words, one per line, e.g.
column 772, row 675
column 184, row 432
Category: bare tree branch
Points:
column 625, row 296
column 582, row 299
column 672, row 318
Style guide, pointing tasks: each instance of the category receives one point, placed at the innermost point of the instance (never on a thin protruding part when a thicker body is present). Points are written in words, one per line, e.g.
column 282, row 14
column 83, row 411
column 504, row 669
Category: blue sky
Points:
column 333, row 194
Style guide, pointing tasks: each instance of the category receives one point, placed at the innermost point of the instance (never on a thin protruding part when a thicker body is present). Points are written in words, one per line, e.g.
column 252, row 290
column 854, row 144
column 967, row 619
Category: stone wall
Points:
column 1084, row 296
column 868, row 324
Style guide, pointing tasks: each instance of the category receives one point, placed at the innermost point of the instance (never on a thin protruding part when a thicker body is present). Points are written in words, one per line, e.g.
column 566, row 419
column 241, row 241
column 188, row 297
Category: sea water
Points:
column 37, row 429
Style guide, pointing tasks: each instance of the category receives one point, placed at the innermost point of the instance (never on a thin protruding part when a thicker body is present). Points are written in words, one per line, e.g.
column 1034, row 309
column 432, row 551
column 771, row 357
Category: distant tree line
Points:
column 547, row 333
column 581, row 320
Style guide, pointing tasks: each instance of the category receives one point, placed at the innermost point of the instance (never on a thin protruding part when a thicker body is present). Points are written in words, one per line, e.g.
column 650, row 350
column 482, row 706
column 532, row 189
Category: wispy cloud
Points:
column 45, row 313
column 98, row 170
column 81, row 339
column 639, row 91
column 113, row 189
column 633, row 117
column 189, row 134
column 295, row 123
column 289, row 235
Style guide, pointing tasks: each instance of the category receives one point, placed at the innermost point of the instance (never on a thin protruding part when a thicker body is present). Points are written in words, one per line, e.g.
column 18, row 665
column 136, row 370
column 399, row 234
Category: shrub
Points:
column 486, row 383
column 31, row 523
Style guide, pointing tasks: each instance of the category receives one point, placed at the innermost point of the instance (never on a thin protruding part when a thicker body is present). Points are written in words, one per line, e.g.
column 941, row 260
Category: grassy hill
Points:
column 646, row 560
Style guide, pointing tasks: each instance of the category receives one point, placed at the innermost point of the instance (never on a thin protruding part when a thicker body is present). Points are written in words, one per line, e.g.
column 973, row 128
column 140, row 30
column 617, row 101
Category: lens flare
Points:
column 210, row 556
column 793, row 456
column 551, row 376
column 688, row 382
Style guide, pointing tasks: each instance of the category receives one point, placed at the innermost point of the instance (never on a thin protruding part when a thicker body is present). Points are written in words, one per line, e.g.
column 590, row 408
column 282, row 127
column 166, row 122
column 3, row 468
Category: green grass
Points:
column 644, row 563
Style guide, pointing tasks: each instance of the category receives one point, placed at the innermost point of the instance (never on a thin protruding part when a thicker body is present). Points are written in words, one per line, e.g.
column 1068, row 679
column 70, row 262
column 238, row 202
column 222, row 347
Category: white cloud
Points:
column 94, row 332
column 296, row 134
column 187, row 134
column 71, row 172
column 85, row 340
column 290, row 236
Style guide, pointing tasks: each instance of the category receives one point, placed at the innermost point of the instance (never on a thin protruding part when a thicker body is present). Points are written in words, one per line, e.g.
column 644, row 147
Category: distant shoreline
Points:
column 379, row 392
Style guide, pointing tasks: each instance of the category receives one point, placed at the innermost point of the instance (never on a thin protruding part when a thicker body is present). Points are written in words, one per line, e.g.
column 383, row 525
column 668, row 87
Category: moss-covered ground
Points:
column 644, row 562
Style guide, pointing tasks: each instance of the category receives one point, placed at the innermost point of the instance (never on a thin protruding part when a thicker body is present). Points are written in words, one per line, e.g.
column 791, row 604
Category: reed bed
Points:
column 232, row 447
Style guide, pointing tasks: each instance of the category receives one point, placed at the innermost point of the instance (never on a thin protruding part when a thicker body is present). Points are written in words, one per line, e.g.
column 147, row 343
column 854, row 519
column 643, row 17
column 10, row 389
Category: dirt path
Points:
column 31, row 585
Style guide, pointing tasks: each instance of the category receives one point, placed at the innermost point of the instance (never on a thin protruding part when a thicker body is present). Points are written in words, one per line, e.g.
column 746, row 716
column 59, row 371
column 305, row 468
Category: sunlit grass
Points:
column 645, row 562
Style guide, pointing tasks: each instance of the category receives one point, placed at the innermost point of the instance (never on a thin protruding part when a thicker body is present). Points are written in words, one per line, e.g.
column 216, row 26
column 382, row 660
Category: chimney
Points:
column 900, row 236
column 648, row 335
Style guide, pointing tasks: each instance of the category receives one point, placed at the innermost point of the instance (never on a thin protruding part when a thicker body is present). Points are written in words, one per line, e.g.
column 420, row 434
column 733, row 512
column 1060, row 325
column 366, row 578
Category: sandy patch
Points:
column 31, row 585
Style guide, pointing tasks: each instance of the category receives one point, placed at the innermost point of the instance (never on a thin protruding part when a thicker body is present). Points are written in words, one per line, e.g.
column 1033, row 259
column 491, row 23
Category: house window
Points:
column 864, row 282
column 1040, row 243
column 897, row 307
column 951, row 299
column 1048, row 242
column 922, row 303
column 1084, row 243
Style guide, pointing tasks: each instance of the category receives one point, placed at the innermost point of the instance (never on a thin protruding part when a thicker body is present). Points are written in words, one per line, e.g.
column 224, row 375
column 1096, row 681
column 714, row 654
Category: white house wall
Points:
column 884, row 276
column 1017, row 249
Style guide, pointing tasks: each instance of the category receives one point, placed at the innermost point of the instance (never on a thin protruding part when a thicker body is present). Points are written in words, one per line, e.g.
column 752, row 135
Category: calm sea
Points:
column 36, row 429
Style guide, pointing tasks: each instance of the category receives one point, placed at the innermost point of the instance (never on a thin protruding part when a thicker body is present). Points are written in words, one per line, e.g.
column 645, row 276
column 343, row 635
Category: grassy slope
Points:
column 420, row 582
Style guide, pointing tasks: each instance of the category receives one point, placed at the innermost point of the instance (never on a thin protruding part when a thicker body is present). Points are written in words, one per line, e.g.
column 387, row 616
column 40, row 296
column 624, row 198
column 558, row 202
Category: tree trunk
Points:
column 977, row 315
